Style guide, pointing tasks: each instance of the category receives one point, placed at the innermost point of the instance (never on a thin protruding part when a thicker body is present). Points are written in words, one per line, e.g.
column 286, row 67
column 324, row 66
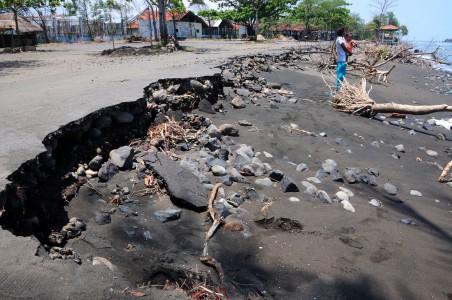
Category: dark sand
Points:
column 368, row 254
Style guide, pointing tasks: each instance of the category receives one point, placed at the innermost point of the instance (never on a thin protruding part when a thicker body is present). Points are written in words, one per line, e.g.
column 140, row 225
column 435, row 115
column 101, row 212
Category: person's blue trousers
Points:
column 341, row 70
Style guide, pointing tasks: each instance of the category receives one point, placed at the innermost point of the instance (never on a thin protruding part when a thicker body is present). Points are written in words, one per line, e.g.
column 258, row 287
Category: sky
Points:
column 426, row 20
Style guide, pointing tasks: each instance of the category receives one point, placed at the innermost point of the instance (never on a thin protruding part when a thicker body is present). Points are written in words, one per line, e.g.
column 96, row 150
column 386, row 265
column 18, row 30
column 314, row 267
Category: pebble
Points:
column 323, row 197
column 390, row 188
column 294, row 199
column 264, row 182
column 168, row 214
column 213, row 131
column 375, row 202
column 122, row 157
column 288, row 185
column 415, row 193
column 310, row 189
column 302, row 167
column 238, row 102
column 267, row 155
column 329, row 165
column 348, row 206
column 395, row 156
column 431, row 153
column 314, row 180
column 342, row 196
column 218, row 170
column 80, row 171
column 229, row 130
column 347, row 191
column 407, row 221
column 276, row 175
column 322, row 134
column 400, row 148
column 375, row 144
column 245, row 123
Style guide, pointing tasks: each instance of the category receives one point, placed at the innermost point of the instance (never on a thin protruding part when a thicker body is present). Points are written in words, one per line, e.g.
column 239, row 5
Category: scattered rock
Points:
column 407, row 221
column 229, row 130
column 323, row 197
column 351, row 175
column 107, row 171
column 323, row 134
column 348, row 206
column 168, row 214
column 267, row 155
column 373, row 171
column 329, row 165
column 245, row 123
column 400, row 148
column 189, row 191
column 213, row 131
column 395, row 155
column 95, row 163
column 102, row 218
column 310, row 189
column 122, row 157
column 342, row 196
column 294, row 199
column 390, row 188
column 276, row 175
column 302, row 167
column 314, row 180
column 336, row 175
column 218, row 170
column 238, row 102
column 375, row 202
column 347, row 191
column 288, row 185
column 235, row 199
column 415, row 193
column 231, row 223
column 431, row 153
column 264, row 182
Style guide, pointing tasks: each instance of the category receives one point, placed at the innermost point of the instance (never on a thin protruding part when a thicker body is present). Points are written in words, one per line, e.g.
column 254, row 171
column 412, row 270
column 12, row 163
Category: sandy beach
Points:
column 391, row 245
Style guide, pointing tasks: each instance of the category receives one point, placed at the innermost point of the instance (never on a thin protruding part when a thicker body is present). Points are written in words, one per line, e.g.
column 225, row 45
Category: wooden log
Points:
column 409, row 109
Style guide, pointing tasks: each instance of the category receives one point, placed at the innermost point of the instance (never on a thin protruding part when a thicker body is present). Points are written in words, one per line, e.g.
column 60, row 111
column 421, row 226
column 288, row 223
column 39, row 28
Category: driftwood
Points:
column 355, row 99
column 445, row 172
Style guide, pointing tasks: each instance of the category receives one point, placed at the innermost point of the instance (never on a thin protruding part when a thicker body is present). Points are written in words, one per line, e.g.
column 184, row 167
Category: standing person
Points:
column 342, row 54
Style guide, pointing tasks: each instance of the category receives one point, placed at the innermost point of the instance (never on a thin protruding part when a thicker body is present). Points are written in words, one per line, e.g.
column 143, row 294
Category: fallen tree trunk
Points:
column 355, row 99
column 445, row 172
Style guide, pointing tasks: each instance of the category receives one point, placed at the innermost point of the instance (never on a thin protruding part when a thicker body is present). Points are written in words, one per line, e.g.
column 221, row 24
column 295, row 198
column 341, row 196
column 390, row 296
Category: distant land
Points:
column 448, row 41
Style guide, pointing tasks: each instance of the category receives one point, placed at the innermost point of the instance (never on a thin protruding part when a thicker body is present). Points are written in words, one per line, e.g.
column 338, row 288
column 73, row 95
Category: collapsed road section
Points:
column 229, row 186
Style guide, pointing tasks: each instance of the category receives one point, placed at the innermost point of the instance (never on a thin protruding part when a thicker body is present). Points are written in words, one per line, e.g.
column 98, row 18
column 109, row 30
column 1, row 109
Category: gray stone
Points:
column 368, row 179
column 395, row 155
column 264, row 182
column 400, row 148
column 197, row 86
column 415, row 193
column 329, row 165
column 336, row 175
column 373, row 171
column 274, row 85
column 122, row 117
column 323, row 197
column 390, row 188
column 218, row 170
column 407, row 221
column 189, row 191
column 276, row 175
column 242, row 92
column 245, row 123
column 80, row 171
column 169, row 214
column 122, row 157
column 321, row 174
column 223, row 154
column 235, row 199
column 229, row 130
column 102, row 218
column 352, row 175
column 342, row 196
column 310, row 189
column 375, row 144
column 431, row 153
column 213, row 131
column 124, row 209
column 302, row 167
column 245, row 150
column 238, row 102
column 314, row 180
column 95, row 163
column 107, row 171
column 288, row 185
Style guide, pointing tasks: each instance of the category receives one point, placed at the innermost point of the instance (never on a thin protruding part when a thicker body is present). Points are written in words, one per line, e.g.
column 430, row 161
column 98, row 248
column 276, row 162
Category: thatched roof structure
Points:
column 25, row 26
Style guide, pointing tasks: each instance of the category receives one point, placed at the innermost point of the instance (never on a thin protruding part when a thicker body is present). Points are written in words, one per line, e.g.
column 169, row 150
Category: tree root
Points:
column 445, row 172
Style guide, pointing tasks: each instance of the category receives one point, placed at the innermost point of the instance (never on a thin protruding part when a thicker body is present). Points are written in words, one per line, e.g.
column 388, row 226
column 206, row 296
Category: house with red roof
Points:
column 182, row 25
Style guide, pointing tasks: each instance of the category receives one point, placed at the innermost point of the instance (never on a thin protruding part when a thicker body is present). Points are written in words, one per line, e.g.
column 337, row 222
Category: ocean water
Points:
column 444, row 52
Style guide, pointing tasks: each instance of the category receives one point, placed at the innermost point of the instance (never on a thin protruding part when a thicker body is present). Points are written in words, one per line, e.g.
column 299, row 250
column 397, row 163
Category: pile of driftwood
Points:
column 355, row 99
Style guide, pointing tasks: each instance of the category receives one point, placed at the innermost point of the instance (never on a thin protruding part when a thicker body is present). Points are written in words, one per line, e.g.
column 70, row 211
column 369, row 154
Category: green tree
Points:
column 210, row 15
column 307, row 11
column 404, row 30
column 17, row 7
column 391, row 19
column 103, row 10
column 175, row 7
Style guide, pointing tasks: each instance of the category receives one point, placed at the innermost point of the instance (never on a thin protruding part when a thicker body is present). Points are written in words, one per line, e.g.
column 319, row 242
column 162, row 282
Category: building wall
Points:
column 185, row 29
